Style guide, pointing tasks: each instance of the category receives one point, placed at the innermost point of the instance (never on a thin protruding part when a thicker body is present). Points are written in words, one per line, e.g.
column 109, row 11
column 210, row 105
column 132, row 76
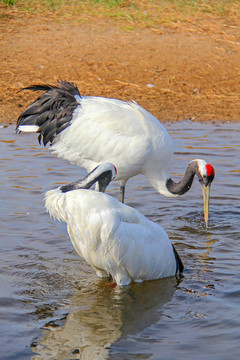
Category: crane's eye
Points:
column 203, row 179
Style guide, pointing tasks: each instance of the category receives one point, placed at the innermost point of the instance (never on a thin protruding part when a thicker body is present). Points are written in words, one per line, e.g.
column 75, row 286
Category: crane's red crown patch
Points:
column 210, row 170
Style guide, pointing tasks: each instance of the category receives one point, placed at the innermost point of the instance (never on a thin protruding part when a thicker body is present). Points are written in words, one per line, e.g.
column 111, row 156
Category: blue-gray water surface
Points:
column 52, row 305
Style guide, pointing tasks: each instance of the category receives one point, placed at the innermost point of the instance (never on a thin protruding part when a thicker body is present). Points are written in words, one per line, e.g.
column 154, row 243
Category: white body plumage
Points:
column 88, row 131
column 123, row 133
column 111, row 130
column 113, row 238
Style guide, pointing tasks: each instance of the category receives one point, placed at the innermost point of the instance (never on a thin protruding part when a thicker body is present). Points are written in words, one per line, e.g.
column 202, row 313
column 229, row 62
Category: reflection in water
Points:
column 205, row 257
column 100, row 316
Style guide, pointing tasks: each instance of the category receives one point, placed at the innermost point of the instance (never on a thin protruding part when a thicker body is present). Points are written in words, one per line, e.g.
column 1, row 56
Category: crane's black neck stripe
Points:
column 52, row 111
column 185, row 184
column 179, row 264
column 103, row 180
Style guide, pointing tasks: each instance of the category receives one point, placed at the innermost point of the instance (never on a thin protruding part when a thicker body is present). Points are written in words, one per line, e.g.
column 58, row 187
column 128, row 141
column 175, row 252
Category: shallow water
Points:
column 52, row 305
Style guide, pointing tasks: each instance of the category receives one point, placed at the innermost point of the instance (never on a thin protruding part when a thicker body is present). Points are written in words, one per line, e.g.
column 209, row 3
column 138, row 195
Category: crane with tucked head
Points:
column 89, row 130
column 115, row 239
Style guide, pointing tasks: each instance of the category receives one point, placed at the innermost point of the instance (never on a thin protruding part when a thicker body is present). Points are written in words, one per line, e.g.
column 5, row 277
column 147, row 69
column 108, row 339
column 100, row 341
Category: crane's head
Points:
column 103, row 174
column 206, row 174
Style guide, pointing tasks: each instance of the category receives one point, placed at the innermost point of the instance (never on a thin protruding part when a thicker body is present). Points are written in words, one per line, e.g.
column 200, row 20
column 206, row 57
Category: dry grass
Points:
column 189, row 50
column 147, row 13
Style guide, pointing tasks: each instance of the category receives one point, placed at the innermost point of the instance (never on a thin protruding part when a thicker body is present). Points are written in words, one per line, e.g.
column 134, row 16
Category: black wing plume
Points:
column 51, row 111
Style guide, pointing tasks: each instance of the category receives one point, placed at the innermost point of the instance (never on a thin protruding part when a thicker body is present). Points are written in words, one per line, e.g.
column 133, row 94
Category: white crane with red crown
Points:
column 89, row 130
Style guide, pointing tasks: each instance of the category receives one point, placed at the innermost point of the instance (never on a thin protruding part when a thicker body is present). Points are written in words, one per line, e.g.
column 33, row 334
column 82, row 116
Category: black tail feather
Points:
column 40, row 87
column 51, row 111
column 179, row 264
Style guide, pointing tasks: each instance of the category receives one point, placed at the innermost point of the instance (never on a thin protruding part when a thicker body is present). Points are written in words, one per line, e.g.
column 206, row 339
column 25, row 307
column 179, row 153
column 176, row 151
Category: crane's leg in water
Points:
column 122, row 193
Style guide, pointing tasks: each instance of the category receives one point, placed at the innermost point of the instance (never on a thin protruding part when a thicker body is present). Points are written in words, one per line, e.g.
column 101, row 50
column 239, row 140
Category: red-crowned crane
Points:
column 88, row 130
column 115, row 239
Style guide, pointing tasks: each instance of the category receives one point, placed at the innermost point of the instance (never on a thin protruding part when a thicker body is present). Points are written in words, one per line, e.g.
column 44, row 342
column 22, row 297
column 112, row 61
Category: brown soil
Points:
column 179, row 71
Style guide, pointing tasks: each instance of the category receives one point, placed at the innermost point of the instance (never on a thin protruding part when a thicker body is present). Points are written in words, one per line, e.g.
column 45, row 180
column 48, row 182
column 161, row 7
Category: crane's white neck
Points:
column 158, row 181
